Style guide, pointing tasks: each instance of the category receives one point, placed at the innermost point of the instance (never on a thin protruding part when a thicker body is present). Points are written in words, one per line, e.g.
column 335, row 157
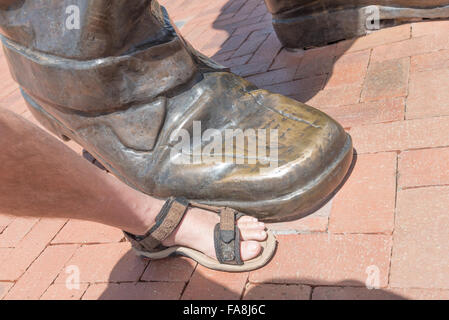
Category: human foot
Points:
column 196, row 231
column 218, row 238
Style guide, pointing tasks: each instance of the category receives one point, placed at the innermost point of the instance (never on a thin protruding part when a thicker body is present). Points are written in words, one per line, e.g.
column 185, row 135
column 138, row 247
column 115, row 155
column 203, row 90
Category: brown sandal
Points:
column 226, row 239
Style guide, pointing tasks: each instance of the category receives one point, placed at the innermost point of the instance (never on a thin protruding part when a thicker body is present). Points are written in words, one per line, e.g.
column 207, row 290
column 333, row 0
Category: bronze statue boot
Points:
column 167, row 121
column 308, row 23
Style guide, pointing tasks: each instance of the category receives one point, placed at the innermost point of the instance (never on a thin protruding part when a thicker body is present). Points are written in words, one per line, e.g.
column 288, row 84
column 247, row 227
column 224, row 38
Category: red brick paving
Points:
column 316, row 222
column 359, row 114
column 389, row 89
column 376, row 39
column 4, row 288
column 277, row 292
column 429, row 94
column 426, row 167
column 349, row 69
column 15, row 232
column 430, row 61
column 402, row 135
column 351, row 293
column 321, row 259
column 207, row 284
column 370, row 192
column 177, row 269
column 59, row 291
column 331, row 97
column 5, row 221
column 386, row 79
column 29, row 249
column 421, row 240
column 134, row 291
column 44, row 270
column 113, row 262
column 84, row 232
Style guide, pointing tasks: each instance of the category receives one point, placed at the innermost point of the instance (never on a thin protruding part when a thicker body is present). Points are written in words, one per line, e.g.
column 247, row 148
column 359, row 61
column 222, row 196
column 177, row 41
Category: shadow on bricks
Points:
column 180, row 279
column 253, row 51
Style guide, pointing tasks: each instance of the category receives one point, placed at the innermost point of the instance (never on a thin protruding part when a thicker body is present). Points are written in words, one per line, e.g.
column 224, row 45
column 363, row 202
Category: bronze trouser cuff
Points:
column 102, row 84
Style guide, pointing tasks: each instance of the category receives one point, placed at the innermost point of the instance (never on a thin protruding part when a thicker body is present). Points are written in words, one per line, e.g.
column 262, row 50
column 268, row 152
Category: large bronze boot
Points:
column 130, row 90
column 308, row 23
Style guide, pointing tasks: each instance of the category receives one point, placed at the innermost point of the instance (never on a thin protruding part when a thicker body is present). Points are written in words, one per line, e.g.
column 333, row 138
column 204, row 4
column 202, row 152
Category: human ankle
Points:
column 146, row 211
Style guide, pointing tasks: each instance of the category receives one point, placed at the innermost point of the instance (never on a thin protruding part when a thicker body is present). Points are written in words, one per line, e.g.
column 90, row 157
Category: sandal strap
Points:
column 227, row 238
column 226, row 232
column 167, row 221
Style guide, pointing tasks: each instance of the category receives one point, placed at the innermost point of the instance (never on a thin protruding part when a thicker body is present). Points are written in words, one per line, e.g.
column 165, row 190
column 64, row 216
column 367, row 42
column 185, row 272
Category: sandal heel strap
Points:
column 167, row 221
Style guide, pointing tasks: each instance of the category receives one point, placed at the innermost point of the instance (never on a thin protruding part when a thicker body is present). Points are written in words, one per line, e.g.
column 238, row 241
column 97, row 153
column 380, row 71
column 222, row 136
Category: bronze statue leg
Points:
column 129, row 89
column 308, row 23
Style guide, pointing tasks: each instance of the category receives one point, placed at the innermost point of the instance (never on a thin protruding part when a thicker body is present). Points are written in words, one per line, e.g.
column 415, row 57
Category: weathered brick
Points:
column 272, row 77
column 401, row 135
column 207, row 284
column 14, row 102
column 424, row 167
column 375, row 39
column 16, row 231
column 388, row 110
column 428, row 28
column 430, row 61
column 268, row 50
column 287, row 59
column 366, row 202
column 40, row 275
column 351, row 293
column 61, row 292
column 4, row 288
column 326, row 259
column 135, row 291
column 303, row 88
column 316, row 222
column 177, row 269
column 349, row 69
column 420, row 256
column 113, row 262
column 251, row 44
column 77, row 231
column 249, row 69
column 386, row 79
column 29, row 248
column 277, row 292
column 411, row 47
column 428, row 94
column 316, row 62
column 339, row 96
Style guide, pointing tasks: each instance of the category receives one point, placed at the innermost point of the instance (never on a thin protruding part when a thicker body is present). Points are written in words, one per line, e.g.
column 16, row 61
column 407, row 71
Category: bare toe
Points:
column 256, row 225
column 248, row 219
column 252, row 234
column 250, row 250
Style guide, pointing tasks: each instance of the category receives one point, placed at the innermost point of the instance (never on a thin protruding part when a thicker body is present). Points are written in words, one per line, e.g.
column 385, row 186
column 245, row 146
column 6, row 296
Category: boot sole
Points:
column 309, row 30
